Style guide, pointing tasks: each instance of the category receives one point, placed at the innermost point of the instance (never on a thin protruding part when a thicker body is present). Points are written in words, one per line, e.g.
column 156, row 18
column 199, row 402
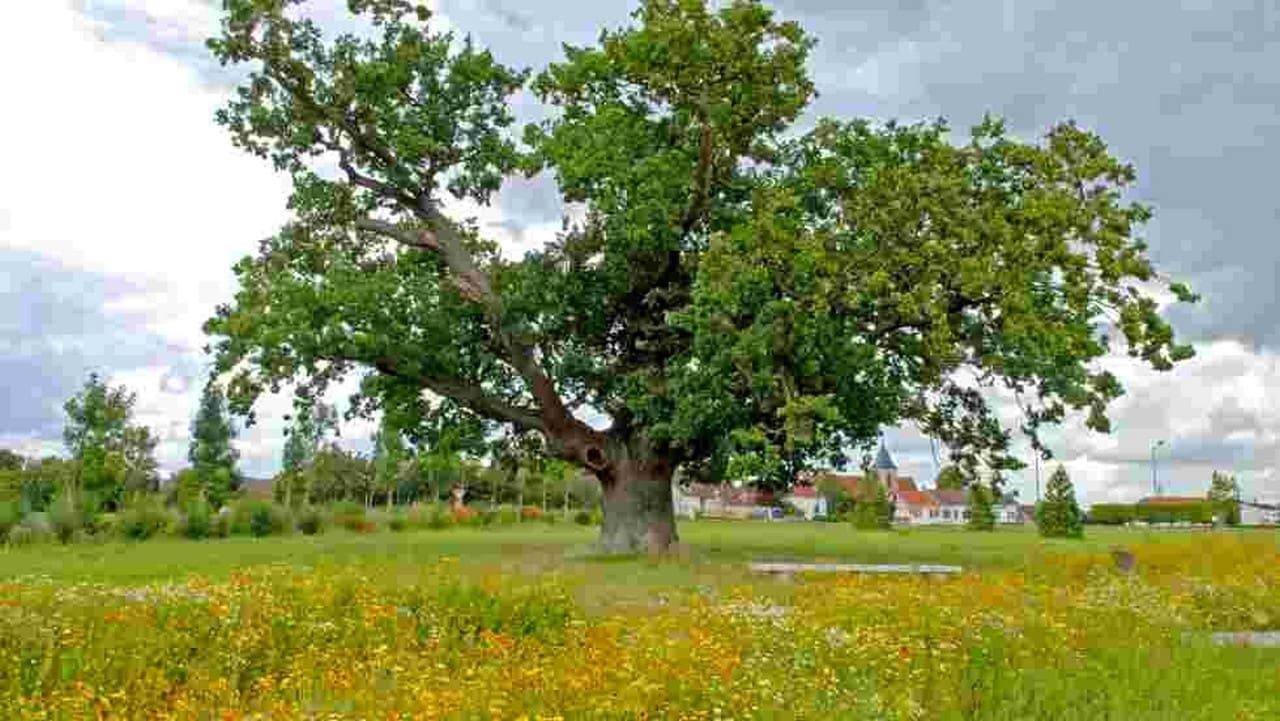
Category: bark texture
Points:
column 638, row 513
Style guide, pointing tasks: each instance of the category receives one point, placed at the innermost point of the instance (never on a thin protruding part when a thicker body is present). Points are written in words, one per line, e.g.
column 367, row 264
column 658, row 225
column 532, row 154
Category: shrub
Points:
column 440, row 519
column 463, row 515
column 257, row 518
column 530, row 513
column 220, row 527
column 143, row 519
column 1111, row 514
column 103, row 524
column 351, row 516
column 582, row 518
column 398, row 522
column 419, row 515
column 197, row 522
column 550, row 519
column 21, row 535
column 1175, row 512
column 872, row 510
column 309, row 520
column 65, row 519
column 10, row 517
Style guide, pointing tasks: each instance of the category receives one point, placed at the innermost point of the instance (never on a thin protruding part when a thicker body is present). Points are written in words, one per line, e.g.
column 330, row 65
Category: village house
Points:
column 911, row 505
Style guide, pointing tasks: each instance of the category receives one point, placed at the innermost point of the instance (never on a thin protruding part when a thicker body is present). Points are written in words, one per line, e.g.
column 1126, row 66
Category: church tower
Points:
column 886, row 469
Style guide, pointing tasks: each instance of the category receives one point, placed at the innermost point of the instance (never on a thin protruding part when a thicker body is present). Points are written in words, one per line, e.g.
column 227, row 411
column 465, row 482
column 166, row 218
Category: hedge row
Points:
column 149, row 517
column 1114, row 514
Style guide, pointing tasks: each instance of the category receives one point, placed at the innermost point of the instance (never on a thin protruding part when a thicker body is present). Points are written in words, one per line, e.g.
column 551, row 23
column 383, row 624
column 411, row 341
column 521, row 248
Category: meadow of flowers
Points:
column 1063, row 636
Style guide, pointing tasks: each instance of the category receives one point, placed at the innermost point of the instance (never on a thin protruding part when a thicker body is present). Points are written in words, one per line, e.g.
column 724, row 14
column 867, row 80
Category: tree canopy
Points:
column 1224, row 494
column 737, row 295
column 111, row 455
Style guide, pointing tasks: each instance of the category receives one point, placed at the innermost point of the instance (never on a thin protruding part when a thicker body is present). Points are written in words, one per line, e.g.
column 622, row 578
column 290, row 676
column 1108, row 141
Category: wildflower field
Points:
column 525, row 623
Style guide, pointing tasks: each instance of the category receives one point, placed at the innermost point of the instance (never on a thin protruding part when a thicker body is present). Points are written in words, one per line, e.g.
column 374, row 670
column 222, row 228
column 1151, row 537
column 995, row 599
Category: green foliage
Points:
column 582, row 518
column 1224, row 494
column 65, row 519
column 872, row 510
column 399, row 521
column 10, row 517
column 1196, row 511
column 111, row 455
column 11, row 461
column 335, row 474
column 950, row 478
column 439, row 519
column 351, row 516
column 391, row 462
column 197, row 520
column 143, row 518
column 309, row 520
column 36, row 482
column 213, row 458
column 1058, row 516
column 1112, row 514
column 982, row 516
column 21, row 535
column 259, row 518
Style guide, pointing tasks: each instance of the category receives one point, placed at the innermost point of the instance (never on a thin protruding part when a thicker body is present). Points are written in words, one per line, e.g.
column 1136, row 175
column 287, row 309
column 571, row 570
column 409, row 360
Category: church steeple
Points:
column 884, row 462
column 886, row 469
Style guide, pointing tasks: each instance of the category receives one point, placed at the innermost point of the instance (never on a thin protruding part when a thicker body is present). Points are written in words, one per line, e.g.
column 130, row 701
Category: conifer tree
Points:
column 872, row 510
column 212, row 457
column 1224, row 494
column 1058, row 515
column 982, row 516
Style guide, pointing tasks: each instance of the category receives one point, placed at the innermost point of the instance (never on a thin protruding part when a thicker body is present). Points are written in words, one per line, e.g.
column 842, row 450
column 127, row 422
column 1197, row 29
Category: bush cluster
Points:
column 149, row 517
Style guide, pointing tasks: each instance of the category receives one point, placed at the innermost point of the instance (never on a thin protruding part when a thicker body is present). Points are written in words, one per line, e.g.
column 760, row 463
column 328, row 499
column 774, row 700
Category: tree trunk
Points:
column 638, row 511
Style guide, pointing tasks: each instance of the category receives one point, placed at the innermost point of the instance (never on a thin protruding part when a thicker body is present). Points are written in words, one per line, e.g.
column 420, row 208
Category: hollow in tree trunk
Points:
column 638, row 511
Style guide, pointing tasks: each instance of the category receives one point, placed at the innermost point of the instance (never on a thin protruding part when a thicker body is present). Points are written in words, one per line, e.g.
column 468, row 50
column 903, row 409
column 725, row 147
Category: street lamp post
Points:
column 1155, row 484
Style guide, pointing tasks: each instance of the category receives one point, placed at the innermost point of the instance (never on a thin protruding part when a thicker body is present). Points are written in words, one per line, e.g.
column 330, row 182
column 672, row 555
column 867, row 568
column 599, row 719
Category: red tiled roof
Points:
column 916, row 498
column 951, row 497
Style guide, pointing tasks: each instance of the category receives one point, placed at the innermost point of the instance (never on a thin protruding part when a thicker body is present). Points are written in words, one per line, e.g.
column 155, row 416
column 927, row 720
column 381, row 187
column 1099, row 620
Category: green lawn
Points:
column 720, row 548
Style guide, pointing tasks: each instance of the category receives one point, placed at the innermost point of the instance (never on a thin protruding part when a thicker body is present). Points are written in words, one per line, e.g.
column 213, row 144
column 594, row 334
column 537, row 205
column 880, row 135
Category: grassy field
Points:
column 525, row 622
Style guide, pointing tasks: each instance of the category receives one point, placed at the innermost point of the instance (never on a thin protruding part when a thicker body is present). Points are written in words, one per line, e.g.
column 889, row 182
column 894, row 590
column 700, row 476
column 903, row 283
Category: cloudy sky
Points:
column 123, row 206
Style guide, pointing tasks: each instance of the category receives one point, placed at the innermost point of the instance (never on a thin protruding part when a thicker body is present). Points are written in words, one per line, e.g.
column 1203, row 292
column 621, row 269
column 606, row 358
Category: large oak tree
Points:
column 733, row 294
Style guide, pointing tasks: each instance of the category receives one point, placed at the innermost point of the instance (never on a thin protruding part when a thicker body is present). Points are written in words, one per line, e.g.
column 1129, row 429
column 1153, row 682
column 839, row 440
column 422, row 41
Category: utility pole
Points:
column 1155, row 483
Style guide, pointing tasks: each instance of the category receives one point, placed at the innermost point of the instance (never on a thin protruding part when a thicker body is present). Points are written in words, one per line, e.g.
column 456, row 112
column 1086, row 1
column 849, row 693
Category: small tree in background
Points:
column 390, row 460
column 1058, row 515
column 110, row 453
column 303, row 438
column 950, row 478
column 213, row 459
column 1224, row 494
column 982, row 516
column 872, row 510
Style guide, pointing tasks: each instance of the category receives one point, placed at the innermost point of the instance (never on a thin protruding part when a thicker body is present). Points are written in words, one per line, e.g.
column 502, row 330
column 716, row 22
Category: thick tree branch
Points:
column 468, row 395
column 422, row 240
